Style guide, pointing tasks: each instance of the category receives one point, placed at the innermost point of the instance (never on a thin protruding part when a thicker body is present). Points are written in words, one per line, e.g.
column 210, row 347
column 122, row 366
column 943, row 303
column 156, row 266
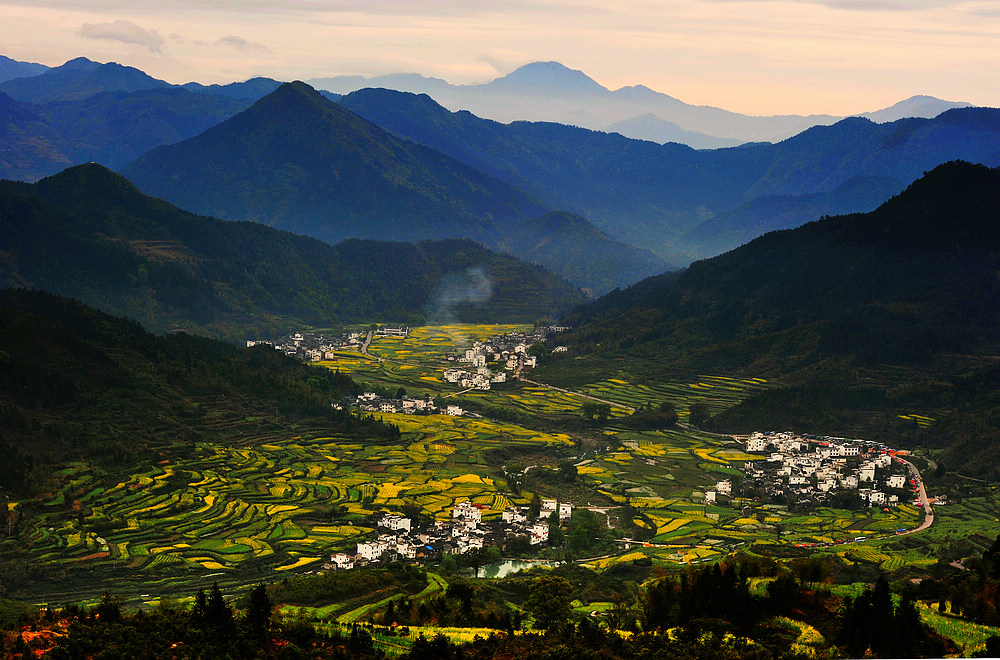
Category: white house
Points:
column 538, row 533
column 468, row 512
column 512, row 515
column 372, row 550
column 757, row 442
column 395, row 523
column 548, row 508
column 565, row 511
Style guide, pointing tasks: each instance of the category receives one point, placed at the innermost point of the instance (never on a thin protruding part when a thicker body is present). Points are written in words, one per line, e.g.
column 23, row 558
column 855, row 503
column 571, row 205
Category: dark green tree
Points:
column 548, row 601
column 258, row 614
column 698, row 414
column 567, row 471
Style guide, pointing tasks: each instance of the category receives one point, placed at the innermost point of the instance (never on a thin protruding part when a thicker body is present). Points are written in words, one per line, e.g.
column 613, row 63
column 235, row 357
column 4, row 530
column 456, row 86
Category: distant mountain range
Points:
column 10, row 69
column 298, row 161
column 656, row 196
column 90, row 234
column 670, row 200
column 549, row 91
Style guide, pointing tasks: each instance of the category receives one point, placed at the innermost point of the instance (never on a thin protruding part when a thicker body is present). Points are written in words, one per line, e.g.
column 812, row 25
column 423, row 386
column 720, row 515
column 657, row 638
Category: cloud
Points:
column 870, row 5
column 124, row 31
column 503, row 60
column 472, row 286
column 239, row 43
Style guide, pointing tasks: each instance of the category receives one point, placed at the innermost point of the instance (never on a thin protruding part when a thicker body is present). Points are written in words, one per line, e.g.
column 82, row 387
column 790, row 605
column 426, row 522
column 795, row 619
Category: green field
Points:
column 282, row 503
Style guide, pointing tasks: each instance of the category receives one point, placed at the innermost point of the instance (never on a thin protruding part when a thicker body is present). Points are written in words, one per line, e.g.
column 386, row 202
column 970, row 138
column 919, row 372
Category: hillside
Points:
column 652, row 196
column 569, row 245
column 132, row 397
column 853, row 312
column 10, row 69
column 90, row 234
column 297, row 161
column 111, row 127
column 728, row 229
column 79, row 78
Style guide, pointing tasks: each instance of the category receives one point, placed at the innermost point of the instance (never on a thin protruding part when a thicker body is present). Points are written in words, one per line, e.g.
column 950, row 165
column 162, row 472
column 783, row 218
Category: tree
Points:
column 109, row 610
column 258, row 615
column 535, row 507
column 698, row 414
column 474, row 558
column 567, row 471
column 449, row 565
column 556, row 536
column 548, row 601
column 217, row 612
column 539, row 350
column 593, row 409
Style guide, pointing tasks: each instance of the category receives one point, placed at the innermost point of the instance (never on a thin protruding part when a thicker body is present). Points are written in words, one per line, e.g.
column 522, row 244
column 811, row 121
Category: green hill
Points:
column 300, row 162
column 90, row 234
column 78, row 384
column 864, row 317
column 297, row 161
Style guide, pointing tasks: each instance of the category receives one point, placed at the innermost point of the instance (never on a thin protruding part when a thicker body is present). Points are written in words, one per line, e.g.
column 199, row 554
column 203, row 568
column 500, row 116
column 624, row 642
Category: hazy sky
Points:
column 753, row 56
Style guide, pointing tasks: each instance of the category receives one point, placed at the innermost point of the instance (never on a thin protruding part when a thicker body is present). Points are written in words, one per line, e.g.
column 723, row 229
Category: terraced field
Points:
column 282, row 504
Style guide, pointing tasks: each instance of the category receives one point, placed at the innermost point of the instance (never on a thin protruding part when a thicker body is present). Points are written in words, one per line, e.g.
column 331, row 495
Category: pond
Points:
column 509, row 566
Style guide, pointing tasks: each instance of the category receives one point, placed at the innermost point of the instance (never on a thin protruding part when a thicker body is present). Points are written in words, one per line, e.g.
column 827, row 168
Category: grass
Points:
column 970, row 637
column 250, row 510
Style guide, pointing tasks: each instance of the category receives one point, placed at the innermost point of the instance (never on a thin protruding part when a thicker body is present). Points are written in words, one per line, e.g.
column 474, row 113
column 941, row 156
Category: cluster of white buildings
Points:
column 507, row 353
column 399, row 539
column 312, row 347
column 811, row 468
column 371, row 402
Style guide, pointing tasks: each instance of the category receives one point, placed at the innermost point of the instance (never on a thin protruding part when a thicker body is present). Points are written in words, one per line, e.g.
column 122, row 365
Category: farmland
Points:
column 281, row 504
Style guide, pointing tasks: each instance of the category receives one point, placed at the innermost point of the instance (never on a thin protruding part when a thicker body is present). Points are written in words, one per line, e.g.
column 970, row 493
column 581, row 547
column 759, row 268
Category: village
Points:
column 312, row 347
column 492, row 360
column 805, row 470
column 400, row 540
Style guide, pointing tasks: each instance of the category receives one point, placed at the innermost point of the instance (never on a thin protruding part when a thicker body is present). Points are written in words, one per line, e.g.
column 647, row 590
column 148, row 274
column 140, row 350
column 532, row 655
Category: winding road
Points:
column 922, row 494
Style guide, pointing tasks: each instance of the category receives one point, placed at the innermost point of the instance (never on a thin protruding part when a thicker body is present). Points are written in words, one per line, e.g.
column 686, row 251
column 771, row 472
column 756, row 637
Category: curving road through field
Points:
column 922, row 494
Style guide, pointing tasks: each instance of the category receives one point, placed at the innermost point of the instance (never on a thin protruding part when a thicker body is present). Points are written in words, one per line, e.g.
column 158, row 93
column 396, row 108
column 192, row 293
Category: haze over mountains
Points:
column 863, row 317
column 641, row 206
column 550, row 91
column 90, row 234
column 656, row 196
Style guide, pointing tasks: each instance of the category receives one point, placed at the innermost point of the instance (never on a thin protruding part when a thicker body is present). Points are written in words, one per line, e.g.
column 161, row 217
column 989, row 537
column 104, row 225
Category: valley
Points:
column 282, row 503
column 399, row 380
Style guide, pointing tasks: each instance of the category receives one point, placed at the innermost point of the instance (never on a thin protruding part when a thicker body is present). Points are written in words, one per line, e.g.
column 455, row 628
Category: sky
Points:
column 758, row 57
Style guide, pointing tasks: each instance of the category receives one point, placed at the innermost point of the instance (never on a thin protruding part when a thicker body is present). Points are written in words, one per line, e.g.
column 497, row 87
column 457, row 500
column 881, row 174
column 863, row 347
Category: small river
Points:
column 509, row 566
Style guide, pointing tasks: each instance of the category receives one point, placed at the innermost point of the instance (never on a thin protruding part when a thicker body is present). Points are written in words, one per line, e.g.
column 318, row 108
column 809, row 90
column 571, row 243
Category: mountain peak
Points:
column 296, row 92
column 548, row 77
column 79, row 63
column 920, row 105
column 90, row 180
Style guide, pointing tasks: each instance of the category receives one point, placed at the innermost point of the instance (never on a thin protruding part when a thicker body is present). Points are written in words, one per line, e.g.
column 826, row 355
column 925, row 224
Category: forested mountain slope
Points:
column 90, row 234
